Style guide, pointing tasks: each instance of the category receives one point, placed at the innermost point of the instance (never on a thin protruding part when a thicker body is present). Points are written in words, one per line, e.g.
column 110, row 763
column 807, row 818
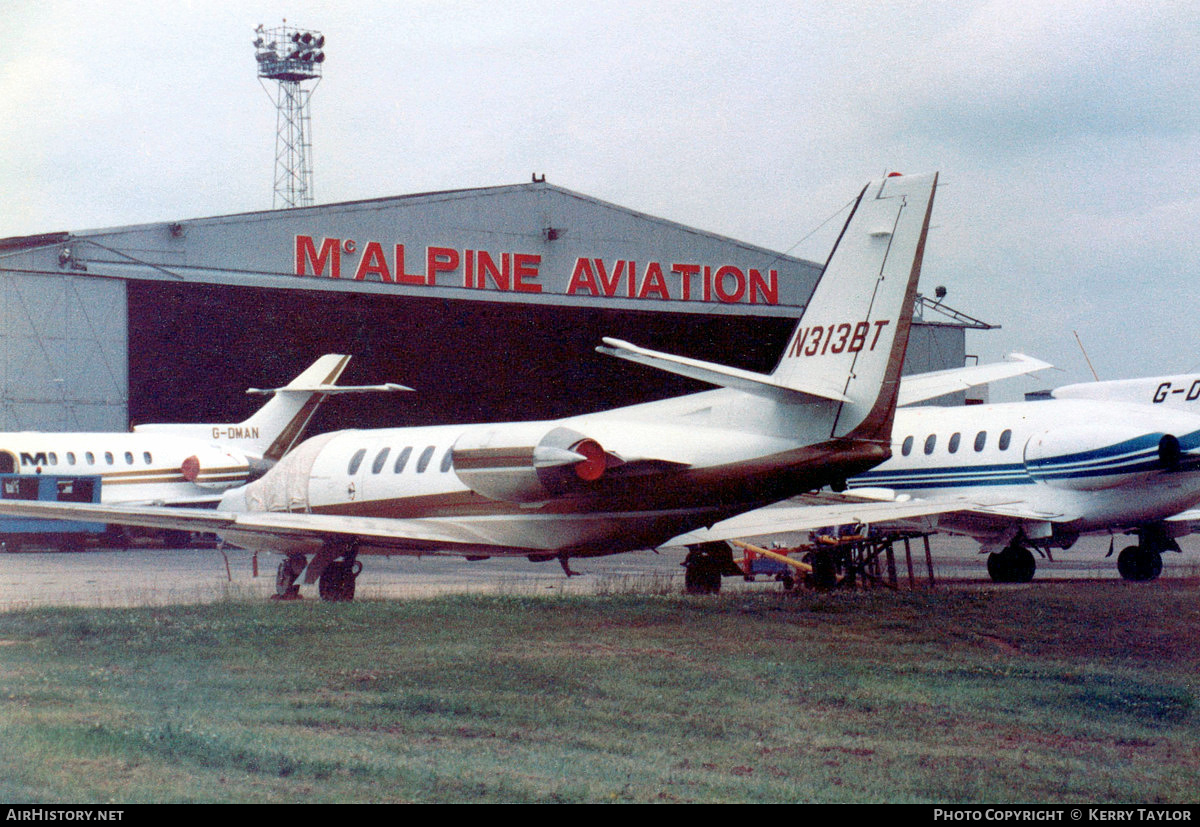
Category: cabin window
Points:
column 1005, row 439
column 108, row 457
column 356, row 461
column 980, row 440
column 448, row 460
column 149, row 460
column 423, row 461
column 70, row 457
column 53, row 458
column 955, row 438
column 129, row 458
column 90, row 457
column 402, row 460
column 380, row 459
column 906, row 449
column 930, row 442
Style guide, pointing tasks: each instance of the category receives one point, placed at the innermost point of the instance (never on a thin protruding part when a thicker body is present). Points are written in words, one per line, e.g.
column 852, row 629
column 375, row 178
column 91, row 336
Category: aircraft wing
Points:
column 799, row 515
column 920, row 387
column 287, row 531
column 972, row 516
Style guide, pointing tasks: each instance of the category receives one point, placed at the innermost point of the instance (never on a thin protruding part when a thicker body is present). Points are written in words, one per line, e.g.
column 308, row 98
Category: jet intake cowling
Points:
column 215, row 468
column 1094, row 457
column 525, row 464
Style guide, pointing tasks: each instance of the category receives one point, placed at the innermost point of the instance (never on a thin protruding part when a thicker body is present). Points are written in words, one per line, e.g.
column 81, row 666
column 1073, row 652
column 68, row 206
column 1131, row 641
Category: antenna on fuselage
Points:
column 1085, row 356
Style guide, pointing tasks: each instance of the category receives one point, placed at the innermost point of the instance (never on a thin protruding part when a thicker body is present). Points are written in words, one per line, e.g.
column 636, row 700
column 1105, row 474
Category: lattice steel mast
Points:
column 291, row 56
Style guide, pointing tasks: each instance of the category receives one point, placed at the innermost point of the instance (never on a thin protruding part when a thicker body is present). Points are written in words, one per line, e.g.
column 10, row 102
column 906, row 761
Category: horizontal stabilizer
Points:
column 748, row 381
column 920, row 387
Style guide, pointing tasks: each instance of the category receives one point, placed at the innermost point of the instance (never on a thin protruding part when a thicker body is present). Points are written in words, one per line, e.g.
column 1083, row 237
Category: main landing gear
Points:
column 1143, row 562
column 335, row 569
column 705, row 565
column 1014, row 564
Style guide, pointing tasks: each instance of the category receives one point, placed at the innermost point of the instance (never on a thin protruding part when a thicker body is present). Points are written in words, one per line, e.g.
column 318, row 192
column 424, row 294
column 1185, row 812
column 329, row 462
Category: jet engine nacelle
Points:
column 1094, row 457
column 215, row 468
column 525, row 463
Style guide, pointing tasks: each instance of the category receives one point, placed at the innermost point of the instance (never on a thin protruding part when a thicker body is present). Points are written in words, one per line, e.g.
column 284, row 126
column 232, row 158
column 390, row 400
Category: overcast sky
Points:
column 1067, row 134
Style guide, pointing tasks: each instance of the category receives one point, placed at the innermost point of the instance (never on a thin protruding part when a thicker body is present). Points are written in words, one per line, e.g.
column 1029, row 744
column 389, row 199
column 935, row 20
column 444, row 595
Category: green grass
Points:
column 1059, row 693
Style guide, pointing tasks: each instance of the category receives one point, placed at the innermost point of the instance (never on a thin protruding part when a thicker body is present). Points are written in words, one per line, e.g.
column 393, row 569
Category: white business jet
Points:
column 1097, row 458
column 609, row 482
column 182, row 464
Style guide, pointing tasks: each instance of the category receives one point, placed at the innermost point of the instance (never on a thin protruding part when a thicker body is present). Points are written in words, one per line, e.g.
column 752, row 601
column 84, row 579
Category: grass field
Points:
column 1081, row 693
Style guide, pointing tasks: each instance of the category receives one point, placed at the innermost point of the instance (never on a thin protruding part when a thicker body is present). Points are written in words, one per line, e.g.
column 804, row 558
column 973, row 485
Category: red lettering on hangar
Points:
column 519, row 273
column 692, row 282
column 481, row 270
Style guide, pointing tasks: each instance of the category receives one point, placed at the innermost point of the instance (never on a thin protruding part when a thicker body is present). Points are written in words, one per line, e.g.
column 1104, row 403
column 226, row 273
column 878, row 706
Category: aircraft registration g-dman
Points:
column 607, row 482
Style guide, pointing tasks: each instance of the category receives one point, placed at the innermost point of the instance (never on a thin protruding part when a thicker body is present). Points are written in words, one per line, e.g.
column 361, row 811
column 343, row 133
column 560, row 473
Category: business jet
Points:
column 183, row 464
column 607, row 482
column 1098, row 458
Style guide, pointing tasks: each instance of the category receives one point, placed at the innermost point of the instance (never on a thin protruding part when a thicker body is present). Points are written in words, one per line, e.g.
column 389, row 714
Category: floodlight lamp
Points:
column 307, row 38
column 320, row 58
column 320, row 41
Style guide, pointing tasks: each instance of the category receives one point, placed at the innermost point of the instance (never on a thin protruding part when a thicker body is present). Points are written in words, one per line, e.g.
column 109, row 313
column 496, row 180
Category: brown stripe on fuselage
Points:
column 733, row 487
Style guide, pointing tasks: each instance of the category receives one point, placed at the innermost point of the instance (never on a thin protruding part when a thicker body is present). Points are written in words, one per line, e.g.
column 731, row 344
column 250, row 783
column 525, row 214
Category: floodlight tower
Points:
column 291, row 56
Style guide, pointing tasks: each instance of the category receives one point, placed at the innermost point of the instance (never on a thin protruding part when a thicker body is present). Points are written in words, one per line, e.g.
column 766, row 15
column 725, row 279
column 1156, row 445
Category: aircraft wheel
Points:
column 337, row 581
column 1139, row 564
column 285, row 577
column 701, row 577
column 1015, row 564
column 703, row 568
column 1024, row 565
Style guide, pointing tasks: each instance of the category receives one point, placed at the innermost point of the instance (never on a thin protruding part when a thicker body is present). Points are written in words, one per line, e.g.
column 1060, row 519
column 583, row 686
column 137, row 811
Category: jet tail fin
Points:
column 846, row 352
column 275, row 427
column 853, row 333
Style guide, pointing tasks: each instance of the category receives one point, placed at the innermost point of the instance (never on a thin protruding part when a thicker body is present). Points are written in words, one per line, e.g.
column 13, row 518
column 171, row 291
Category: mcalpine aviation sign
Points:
column 581, row 277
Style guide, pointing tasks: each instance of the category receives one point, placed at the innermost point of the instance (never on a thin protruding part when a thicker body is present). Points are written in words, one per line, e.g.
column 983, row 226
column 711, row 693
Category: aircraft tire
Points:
column 1139, row 564
column 701, row 577
column 337, row 582
column 1015, row 564
column 290, row 568
column 703, row 568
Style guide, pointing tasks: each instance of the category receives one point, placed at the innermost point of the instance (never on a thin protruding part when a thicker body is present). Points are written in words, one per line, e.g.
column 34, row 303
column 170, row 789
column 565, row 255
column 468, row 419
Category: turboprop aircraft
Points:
column 182, row 464
column 1097, row 458
column 607, row 482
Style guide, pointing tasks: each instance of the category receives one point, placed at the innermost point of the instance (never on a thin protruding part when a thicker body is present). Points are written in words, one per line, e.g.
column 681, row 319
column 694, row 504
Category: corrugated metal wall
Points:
column 65, row 361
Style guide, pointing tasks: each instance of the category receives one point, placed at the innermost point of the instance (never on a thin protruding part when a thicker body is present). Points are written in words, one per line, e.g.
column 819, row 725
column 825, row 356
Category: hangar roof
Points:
column 532, row 242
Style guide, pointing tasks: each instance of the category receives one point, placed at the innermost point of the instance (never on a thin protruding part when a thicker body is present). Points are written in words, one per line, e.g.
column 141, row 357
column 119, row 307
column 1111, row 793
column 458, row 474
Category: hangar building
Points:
column 489, row 302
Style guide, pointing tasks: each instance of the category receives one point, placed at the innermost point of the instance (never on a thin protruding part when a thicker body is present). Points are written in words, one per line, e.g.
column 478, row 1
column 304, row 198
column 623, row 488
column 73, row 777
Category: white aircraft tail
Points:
column 276, row 426
column 844, row 358
column 853, row 334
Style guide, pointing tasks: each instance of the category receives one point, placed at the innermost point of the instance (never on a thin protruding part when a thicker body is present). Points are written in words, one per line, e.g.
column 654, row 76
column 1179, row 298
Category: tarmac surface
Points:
column 148, row 576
